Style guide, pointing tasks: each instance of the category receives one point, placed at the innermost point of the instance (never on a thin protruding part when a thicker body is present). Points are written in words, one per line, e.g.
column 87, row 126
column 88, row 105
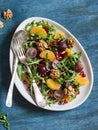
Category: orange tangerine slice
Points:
column 66, row 98
column 81, row 80
column 69, row 52
column 59, row 34
column 48, row 54
column 39, row 30
column 52, row 84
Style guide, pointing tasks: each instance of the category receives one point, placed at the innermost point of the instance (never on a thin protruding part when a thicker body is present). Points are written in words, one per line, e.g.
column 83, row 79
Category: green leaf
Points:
column 20, row 71
column 31, row 61
column 3, row 119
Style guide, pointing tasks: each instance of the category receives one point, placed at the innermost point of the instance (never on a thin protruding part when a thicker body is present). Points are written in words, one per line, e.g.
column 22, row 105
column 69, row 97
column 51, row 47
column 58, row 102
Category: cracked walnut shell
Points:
column 54, row 73
column 7, row 14
column 42, row 45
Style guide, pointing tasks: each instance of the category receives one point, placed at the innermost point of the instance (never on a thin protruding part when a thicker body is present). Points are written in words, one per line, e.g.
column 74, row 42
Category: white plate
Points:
column 84, row 91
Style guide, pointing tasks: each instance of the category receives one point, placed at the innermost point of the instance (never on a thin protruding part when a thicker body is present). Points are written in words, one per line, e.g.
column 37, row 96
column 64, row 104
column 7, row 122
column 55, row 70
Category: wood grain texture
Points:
column 81, row 18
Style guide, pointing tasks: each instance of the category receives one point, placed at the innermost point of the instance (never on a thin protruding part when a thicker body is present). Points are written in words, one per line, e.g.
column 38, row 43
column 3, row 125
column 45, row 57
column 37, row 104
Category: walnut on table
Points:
column 8, row 14
column 54, row 73
column 42, row 45
column 1, row 25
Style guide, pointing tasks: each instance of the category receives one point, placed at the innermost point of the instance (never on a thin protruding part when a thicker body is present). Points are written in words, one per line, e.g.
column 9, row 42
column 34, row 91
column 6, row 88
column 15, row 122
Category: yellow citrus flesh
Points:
column 39, row 31
column 48, row 54
column 81, row 80
column 69, row 52
column 59, row 34
column 67, row 98
column 52, row 84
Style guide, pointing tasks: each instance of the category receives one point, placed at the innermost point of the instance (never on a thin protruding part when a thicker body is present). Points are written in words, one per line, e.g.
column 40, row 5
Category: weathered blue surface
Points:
column 81, row 18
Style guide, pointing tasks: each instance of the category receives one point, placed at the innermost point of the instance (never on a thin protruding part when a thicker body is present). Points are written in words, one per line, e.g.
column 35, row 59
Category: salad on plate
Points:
column 55, row 65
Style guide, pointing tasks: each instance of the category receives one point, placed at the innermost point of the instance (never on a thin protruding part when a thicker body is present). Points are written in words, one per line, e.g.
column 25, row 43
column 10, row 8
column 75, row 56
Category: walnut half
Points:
column 70, row 42
column 7, row 14
column 54, row 73
column 70, row 92
column 42, row 45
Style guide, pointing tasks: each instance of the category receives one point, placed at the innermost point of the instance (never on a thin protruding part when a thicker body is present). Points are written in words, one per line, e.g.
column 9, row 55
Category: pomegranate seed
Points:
column 42, row 62
column 65, row 102
column 44, row 75
column 46, row 29
column 63, row 70
column 49, row 94
column 55, row 42
column 62, row 52
column 82, row 74
column 75, row 88
column 58, row 57
column 78, row 92
column 24, row 81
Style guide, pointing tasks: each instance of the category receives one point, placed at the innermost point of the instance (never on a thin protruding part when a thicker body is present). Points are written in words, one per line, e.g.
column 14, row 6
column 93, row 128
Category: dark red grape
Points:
column 62, row 45
column 55, row 42
column 78, row 67
column 65, row 84
column 31, row 52
column 42, row 69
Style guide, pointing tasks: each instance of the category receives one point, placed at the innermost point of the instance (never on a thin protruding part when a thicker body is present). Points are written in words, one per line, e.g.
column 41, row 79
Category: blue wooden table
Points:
column 81, row 18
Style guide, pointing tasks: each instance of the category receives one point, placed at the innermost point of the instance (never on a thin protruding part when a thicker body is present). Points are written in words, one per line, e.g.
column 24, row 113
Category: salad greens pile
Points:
column 55, row 67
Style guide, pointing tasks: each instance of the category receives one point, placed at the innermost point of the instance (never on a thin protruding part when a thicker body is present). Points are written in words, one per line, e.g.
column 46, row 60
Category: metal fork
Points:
column 25, row 37
column 20, row 53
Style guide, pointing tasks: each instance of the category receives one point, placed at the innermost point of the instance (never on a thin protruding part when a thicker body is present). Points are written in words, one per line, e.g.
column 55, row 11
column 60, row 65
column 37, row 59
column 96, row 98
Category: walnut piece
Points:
column 54, row 73
column 70, row 92
column 70, row 42
column 1, row 24
column 7, row 14
column 42, row 45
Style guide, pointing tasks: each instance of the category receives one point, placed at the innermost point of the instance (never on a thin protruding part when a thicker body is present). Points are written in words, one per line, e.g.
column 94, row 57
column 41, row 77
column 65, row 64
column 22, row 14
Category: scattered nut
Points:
column 42, row 45
column 7, row 14
column 1, row 24
column 54, row 73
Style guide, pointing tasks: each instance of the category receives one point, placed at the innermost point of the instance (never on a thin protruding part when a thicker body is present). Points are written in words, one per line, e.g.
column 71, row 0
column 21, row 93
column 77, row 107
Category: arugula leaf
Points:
column 29, row 26
column 20, row 71
column 31, row 61
column 3, row 119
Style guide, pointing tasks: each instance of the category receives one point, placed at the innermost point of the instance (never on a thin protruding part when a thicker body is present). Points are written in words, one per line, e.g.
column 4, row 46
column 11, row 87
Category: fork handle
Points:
column 10, row 91
column 38, row 96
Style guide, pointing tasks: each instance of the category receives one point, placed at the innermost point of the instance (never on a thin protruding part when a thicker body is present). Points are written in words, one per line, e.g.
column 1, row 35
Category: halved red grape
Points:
column 31, row 52
column 59, row 94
